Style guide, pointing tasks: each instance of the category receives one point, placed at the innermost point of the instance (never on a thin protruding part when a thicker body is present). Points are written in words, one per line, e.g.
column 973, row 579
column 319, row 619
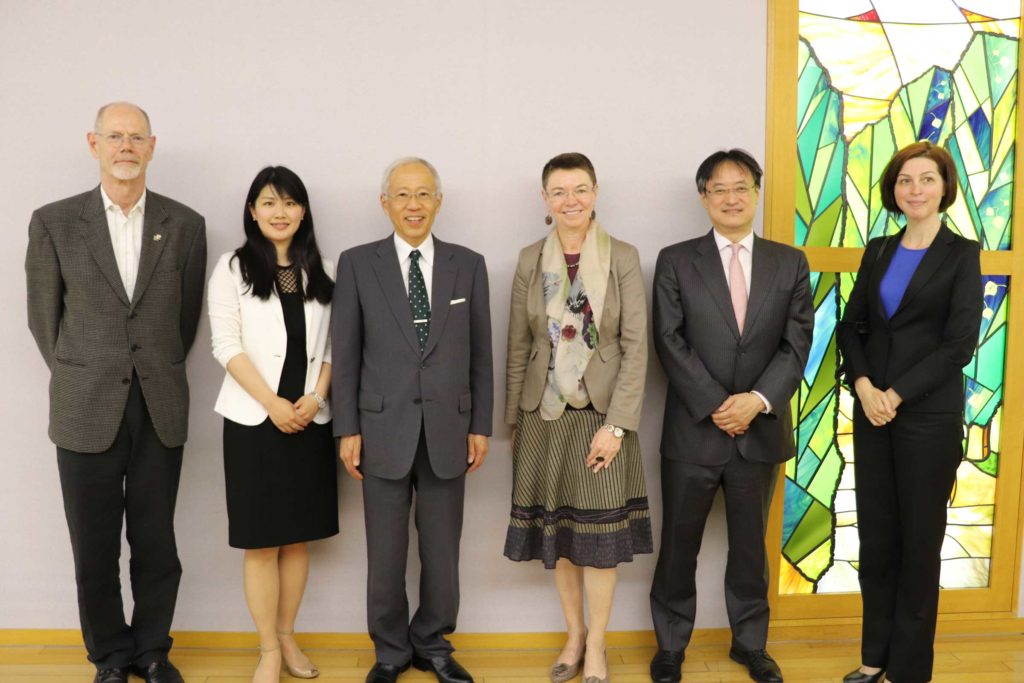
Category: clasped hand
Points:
column 737, row 412
column 292, row 417
column 879, row 406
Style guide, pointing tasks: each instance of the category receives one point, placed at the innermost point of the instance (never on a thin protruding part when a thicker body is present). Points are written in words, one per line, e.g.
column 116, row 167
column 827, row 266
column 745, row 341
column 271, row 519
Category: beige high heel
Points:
column 263, row 651
column 310, row 672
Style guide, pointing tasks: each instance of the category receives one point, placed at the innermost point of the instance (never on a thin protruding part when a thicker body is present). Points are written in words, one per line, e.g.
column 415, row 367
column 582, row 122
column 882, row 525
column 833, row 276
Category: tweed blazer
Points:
column 617, row 371
column 706, row 358
column 388, row 390
column 93, row 336
column 921, row 350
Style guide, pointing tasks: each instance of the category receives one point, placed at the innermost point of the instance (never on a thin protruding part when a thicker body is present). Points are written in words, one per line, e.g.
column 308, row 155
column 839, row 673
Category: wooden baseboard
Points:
column 782, row 630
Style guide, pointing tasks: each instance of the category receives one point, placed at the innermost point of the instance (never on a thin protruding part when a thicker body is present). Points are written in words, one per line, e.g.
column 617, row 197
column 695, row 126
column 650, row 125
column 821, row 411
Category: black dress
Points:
column 282, row 488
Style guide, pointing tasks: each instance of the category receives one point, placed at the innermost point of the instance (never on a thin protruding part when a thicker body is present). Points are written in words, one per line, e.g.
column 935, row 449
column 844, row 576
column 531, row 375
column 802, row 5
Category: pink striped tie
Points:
column 737, row 286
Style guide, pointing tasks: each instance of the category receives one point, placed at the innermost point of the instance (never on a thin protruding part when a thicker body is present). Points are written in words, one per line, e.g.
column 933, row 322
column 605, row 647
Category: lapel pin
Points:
column 157, row 238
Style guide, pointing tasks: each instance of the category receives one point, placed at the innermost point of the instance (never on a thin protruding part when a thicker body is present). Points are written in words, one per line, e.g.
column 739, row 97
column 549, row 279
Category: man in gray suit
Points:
column 732, row 328
column 115, row 286
column 412, row 396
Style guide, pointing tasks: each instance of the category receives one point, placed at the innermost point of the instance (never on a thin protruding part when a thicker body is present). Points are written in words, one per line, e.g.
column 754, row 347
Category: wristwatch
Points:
column 617, row 432
column 321, row 402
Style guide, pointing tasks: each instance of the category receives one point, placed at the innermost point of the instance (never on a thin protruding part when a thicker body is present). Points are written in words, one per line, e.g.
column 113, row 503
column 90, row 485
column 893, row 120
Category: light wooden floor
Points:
column 997, row 658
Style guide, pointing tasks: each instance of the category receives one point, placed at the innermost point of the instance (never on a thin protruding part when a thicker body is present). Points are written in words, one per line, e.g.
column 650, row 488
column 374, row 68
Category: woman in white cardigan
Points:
column 270, row 313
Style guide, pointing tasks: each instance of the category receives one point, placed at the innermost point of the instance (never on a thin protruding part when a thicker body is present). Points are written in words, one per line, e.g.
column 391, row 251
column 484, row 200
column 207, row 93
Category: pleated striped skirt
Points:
column 562, row 509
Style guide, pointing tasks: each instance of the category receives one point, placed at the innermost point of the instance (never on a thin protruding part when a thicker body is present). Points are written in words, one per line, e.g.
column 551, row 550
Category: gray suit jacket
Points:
column 92, row 336
column 617, row 371
column 383, row 387
column 706, row 359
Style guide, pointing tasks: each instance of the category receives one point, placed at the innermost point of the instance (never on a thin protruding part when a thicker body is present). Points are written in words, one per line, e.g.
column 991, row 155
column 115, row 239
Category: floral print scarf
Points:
column 574, row 310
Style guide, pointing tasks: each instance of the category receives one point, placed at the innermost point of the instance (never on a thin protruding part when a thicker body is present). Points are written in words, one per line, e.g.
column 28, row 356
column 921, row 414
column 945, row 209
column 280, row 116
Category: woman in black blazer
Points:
column 909, row 328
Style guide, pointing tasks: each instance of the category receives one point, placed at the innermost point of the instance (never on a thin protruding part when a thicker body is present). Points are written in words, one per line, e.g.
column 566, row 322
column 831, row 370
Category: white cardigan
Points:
column 243, row 323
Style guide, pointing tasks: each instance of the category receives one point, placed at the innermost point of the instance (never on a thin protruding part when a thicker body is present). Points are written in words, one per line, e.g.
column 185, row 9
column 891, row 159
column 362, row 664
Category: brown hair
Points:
column 569, row 161
column 942, row 159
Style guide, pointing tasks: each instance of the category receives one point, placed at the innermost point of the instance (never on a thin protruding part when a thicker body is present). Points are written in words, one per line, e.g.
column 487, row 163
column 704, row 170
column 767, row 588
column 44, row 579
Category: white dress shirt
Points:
column 746, row 257
column 426, row 249
column 126, row 237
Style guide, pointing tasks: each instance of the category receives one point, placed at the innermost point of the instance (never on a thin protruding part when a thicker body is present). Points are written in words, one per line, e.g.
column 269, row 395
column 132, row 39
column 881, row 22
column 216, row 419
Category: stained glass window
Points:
column 872, row 77
column 876, row 76
column 819, row 537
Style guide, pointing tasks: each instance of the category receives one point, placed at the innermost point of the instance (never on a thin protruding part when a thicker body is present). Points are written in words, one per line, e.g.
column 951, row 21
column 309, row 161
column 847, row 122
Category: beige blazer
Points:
column 618, row 369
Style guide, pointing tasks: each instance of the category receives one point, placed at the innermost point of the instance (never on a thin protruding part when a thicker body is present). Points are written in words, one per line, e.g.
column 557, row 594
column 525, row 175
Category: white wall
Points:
column 488, row 91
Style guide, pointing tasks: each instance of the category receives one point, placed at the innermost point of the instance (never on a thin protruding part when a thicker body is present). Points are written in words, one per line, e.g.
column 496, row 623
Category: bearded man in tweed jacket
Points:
column 115, row 284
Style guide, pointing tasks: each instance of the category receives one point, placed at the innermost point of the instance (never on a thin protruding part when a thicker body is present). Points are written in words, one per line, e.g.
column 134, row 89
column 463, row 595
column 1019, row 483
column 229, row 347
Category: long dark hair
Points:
column 257, row 258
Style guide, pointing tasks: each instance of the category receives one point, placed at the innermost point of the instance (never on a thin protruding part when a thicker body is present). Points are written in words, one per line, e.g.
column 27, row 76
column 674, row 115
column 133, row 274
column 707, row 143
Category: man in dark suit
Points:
column 732, row 328
column 413, row 395
column 115, row 286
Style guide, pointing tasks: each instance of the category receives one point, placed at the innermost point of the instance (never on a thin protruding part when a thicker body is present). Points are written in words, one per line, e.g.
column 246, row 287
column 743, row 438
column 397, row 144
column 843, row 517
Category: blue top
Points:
column 897, row 277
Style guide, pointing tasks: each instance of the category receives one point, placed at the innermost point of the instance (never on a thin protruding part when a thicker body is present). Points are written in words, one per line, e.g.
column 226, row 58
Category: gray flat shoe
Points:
column 561, row 672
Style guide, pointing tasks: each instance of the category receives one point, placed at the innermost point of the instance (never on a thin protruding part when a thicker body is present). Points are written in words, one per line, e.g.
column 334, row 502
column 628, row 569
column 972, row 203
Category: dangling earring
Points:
column 593, row 215
column 547, row 220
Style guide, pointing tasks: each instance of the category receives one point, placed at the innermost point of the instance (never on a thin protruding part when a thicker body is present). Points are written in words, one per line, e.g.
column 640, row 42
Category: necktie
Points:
column 418, row 301
column 737, row 286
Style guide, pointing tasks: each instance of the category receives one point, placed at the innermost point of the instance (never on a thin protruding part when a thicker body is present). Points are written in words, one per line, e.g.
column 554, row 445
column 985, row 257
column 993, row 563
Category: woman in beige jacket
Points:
column 577, row 360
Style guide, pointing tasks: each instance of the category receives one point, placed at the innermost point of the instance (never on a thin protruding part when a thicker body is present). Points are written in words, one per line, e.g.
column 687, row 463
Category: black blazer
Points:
column 706, row 358
column 920, row 352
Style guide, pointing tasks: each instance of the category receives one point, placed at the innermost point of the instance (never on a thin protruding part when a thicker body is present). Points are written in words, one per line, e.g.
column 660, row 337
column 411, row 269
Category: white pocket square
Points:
column 457, row 301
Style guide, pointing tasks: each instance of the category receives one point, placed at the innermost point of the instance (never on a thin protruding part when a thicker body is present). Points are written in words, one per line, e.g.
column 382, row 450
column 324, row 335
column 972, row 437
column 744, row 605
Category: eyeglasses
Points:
column 741, row 191
column 581, row 192
column 119, row 139
column 403, row 197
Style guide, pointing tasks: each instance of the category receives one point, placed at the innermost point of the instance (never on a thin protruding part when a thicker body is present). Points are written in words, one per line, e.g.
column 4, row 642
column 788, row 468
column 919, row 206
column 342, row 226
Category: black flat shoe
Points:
column 158, row 672
column 666, row 667
column 760, row 665
column 385, row 673
column 115, row 674
column 445, row 668
column 858, row 676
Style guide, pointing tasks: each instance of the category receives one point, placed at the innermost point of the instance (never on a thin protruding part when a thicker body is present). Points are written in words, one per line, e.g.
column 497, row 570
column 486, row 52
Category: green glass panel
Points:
column 1002, row 64
column 810, row 532
column 825, row 225
column 825, row 481
column 819, row 560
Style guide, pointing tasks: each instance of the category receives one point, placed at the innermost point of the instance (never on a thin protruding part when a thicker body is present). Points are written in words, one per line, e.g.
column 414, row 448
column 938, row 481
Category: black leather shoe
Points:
column 158, row 672
column 858, row 676
column 445, row 668
column 116, row 674
column 385, row 673
column 759, row 663
column 666, row 667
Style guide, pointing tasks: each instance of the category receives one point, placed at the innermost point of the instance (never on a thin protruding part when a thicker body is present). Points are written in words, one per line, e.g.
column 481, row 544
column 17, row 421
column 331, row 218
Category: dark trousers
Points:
column 688, row 490
column 135, row 479
column 438, row 504
column 904, row 473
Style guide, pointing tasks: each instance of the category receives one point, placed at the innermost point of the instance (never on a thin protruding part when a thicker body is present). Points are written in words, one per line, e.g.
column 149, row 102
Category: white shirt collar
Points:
column 109, row 204
column 722, row 241
column 426, row 249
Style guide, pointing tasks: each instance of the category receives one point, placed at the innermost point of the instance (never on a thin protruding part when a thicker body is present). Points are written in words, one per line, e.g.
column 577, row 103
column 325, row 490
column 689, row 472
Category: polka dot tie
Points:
column 418, row 301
